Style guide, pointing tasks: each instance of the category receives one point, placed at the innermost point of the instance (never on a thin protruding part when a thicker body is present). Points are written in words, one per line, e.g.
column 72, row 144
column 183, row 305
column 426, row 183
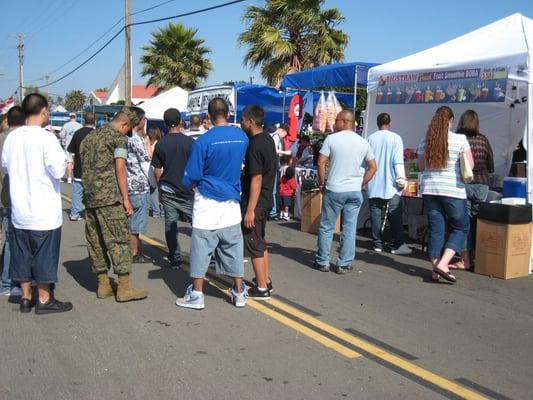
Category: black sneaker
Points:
column 25, row 305
column 256, row 294
column 323, row 268
column 141, row 259
column 53, row 306
column 175, row 263
column 269, row 284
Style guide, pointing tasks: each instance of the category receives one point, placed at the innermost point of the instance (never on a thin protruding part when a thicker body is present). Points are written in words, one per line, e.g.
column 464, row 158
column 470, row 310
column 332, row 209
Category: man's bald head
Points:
column 344, row 121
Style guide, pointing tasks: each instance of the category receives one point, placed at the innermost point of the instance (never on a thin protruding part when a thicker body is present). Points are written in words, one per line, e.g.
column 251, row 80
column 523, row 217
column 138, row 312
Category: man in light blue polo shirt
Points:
column 351, row 165
column 384, row 190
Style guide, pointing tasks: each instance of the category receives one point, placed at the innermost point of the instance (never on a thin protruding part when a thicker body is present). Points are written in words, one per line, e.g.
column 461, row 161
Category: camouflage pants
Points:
column 106, row 230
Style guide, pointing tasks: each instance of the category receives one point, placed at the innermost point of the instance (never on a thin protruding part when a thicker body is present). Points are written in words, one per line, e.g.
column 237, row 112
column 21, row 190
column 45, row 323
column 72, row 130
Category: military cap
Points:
column 132, row 116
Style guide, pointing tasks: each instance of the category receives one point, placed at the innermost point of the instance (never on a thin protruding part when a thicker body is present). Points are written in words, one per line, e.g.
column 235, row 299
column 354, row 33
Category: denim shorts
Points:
column 138, row 222
column 287, row 201
column 227, row 246
column 35, row 255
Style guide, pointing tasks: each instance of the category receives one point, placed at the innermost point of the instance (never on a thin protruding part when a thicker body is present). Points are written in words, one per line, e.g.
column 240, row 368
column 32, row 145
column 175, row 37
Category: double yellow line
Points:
column 362, row 345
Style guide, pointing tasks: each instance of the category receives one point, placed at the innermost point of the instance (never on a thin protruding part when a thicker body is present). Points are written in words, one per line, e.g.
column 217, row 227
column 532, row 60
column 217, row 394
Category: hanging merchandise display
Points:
column 320, row 117
column 334, row 108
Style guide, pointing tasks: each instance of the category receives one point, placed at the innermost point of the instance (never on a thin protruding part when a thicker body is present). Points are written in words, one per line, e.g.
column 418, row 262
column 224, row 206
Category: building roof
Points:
column 99, row 95
column 143, row 92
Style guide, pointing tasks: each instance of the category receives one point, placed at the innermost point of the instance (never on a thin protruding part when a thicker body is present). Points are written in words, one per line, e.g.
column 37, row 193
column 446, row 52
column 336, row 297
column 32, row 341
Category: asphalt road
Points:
column 381, row 332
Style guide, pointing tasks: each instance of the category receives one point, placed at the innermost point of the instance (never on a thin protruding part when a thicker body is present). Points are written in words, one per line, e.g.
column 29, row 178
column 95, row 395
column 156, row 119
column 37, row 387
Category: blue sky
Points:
column 379, row 31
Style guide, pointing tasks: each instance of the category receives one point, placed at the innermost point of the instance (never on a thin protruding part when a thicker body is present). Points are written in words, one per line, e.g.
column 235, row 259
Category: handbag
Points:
column 466, row 169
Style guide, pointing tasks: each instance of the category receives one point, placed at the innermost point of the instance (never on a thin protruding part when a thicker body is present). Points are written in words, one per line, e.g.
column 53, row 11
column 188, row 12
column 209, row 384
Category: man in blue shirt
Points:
column 384, row 190
column 214, row 170
column 351, row 166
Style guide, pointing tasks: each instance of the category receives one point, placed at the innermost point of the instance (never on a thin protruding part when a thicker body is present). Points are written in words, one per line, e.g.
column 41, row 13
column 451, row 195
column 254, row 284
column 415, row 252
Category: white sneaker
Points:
column 402, row 250
column 378, row 249
column 69, row 180
column 239, row 299
column 191, row 300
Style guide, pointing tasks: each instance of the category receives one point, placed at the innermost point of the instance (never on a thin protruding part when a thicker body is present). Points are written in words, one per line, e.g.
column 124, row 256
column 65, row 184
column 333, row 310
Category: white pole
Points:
column 355, row 91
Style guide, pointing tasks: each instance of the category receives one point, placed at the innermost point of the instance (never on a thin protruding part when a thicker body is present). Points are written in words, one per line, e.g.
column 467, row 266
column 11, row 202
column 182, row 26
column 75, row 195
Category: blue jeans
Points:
column 7, row 227
column 76, row 207
column 377, row 210
column 475, row 193
column 175, row 208
column 440, row 209
column 274, row 209
column 349, row 203
column 155, row 207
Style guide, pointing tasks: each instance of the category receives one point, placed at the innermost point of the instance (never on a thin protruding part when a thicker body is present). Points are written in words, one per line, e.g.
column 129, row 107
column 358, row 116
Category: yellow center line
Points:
column 339, row 348
column 372, row 349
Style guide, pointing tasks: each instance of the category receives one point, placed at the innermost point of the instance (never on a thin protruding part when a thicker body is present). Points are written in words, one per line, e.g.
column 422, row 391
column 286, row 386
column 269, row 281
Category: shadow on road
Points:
column 176, row 280
column 80, row 270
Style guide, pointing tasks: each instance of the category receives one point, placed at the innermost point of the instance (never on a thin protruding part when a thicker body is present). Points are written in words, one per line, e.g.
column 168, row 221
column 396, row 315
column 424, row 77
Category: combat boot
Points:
column 104, row 287
column 125, row 293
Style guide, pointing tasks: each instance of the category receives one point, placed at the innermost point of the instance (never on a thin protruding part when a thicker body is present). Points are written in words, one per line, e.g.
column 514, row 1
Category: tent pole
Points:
column 283, row 113
column 355, row 92
column 529, row 138
column 235, row 106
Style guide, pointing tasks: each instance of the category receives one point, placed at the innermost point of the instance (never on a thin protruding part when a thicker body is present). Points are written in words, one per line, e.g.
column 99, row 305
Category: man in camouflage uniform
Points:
column 103, row 156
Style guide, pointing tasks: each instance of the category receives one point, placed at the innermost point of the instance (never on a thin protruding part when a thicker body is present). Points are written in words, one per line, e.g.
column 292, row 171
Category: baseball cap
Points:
column 72, row 114
column 172, row 117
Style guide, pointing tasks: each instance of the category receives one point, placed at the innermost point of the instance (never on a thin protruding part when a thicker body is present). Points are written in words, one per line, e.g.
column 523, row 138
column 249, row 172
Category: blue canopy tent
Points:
column 269, row 98
column 327, row 76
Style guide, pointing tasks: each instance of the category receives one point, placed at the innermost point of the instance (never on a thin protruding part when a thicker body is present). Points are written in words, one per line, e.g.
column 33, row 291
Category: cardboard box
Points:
column 311, row 211
column 503, row 250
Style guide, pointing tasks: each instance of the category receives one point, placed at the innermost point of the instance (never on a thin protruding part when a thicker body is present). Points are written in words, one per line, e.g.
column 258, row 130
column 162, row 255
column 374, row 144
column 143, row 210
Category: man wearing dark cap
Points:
column 171, row 154
column 105, row 179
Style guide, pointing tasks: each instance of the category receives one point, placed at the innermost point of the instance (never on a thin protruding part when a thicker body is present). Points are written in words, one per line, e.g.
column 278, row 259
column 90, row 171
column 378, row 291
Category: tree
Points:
column 75, row 100
column 291, row 35
column 175, row 57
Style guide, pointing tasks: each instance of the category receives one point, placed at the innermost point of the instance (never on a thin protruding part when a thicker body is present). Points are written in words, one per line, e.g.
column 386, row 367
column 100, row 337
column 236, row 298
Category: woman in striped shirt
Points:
column 443, row 191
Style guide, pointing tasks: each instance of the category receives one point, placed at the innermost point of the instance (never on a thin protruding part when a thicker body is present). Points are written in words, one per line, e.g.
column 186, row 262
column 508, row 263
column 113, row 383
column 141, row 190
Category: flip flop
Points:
column 446, row 275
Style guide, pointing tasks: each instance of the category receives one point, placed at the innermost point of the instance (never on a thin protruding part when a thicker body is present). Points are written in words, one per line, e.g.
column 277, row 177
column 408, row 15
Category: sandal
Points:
column 458, row 265
column 446, row 275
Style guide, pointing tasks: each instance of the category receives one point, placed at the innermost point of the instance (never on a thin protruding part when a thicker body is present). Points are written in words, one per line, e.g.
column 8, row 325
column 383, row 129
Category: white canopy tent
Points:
column 172, row 98
column 505, row 44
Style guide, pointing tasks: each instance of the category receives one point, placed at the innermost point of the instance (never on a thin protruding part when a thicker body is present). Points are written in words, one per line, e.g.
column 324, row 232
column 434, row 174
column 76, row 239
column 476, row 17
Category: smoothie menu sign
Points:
column 475, row 85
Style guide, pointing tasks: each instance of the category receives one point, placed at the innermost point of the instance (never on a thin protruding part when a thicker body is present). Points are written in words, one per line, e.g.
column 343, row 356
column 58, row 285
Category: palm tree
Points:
column 291, row 35
column 175, row 57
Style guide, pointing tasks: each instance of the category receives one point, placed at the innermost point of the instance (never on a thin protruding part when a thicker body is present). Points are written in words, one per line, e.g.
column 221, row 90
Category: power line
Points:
column 104, row 34
column 139, row 23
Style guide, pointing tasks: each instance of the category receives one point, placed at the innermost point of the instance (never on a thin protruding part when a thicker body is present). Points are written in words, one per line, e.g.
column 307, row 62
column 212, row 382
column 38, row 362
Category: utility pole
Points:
column 127, row 53
column 20, row 47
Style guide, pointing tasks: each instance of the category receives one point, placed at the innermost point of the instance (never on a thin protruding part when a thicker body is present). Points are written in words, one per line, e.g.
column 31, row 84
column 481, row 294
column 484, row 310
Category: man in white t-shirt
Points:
column 348, row 154
column 384, row 190
column 35, row 162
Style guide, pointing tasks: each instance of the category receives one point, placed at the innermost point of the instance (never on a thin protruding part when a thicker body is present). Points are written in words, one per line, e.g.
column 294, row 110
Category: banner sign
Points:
column 474, row 85
column 199, row 99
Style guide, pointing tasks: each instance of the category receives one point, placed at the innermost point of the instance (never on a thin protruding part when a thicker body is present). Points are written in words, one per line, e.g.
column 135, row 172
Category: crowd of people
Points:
column 227, row 182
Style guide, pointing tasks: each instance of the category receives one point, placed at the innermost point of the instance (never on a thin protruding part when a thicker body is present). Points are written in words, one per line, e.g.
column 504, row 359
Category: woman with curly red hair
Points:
column 443, row 191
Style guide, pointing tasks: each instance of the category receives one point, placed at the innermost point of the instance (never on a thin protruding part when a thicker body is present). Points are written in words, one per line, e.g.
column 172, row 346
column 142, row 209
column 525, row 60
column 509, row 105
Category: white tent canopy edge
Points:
column 504, row 43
